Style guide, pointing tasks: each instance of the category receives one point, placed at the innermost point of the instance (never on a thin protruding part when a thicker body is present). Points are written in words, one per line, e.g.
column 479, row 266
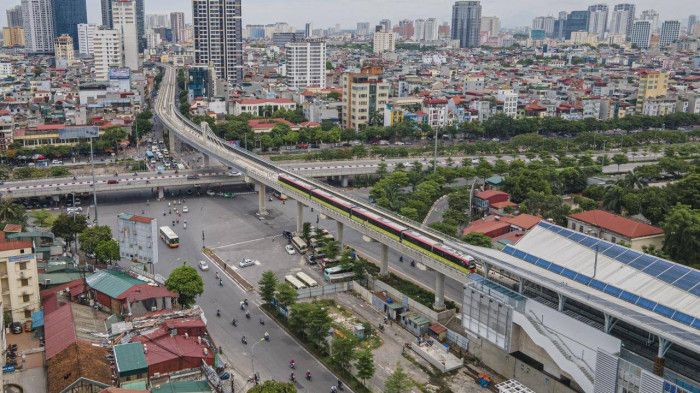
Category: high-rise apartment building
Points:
column 218, row 37
column 431, row 29
column 13, row 37
column 365, row 94
column 652, row 16
column 386, row 24
column 63, row 50
column 652, row 84
column 19, row 284
column 154, row 21
column 14, row 16
column 383, row 41
column 67, row 15
column 86, row 36
column 510, row 102
column 560, row 25
column 107, row 20
column 622, row 19
column 544, row 23
column 598, row 19
column 491, row 24
column 466, row 23
column 177, row 24
column 419, row 29
column 107, row 52
column 306, row 63
column 640, row 34
column 308, row 30
column 362, row 28
column 670, row 31
column 692, row 20
column 576, row 21
column 37, row 16
column 406, row 29
column 124, row 21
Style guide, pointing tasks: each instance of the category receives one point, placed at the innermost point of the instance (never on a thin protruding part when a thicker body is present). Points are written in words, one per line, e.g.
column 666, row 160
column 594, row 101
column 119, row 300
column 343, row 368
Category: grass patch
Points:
column 319, row 353
column 415, row 292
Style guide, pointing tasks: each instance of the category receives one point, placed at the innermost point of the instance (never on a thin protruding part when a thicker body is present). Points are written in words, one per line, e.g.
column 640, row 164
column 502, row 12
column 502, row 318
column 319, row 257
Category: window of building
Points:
column 25, row 298
column 23, row 266
column 27, row 313
column 25, row 282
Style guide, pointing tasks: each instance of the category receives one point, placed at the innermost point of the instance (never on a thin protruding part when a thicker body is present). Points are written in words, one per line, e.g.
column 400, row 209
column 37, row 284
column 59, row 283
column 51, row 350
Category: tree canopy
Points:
column 187, row 283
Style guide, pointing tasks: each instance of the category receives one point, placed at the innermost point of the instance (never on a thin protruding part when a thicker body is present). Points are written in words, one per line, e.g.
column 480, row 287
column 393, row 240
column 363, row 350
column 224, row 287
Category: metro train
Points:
column 393, row 229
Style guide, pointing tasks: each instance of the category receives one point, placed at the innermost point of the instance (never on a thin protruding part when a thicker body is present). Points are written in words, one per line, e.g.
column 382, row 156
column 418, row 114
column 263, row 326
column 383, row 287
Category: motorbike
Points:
column 292, row 378
column 218, row 313
column 262, row 322
column 244, row 341
column 292, row 364
column 234, row 322
column 221, row 282
column 308, row 375
column 247, row 315
column 267, row 337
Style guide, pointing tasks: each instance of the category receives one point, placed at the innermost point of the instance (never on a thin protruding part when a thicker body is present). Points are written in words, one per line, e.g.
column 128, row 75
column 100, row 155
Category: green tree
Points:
column 477, row 239
column 68, row 227
column 271, row 386
column 619, row 159
column 286, row 295
column 107, row 251
column 306, row 231
column 398, row 381
column 187, row 283
column 612, row 199
column 91, row 237
column 573, row 180
column 12, row 213
column 268, row 283
column 343, row 352
column 445, row 227
column 364, row 365
column 42, row 218
column 311, row 320
column 331, row 249
column 585, row 203
column 682, row 229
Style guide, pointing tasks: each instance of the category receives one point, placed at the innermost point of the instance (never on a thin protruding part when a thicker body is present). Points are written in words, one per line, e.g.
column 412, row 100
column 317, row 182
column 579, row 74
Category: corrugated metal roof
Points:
column 59, row 329
column 183, row 387
column 130, row 358
column 112, row 283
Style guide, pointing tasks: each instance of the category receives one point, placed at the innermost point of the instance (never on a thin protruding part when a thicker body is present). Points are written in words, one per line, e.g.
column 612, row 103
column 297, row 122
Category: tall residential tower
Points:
column 218, row 37
column 37, row 16
column 466, row 23
column 67, row 15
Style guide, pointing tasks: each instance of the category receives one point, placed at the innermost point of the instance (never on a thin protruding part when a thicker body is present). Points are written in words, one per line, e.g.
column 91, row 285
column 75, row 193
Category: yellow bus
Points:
column 169, row 237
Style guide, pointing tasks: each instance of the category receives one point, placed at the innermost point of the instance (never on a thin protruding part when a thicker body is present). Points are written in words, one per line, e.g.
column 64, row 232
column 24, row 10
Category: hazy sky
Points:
column 325, row 13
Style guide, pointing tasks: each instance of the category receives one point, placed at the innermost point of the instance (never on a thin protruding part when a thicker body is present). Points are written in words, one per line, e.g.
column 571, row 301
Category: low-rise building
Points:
column 617, row 229
column 19, row 278
column 262, row 107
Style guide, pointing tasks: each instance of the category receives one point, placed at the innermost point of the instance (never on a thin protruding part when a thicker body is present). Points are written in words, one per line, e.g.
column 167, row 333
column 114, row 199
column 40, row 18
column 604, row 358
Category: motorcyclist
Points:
column 267, row 336
column 308, row 375
column 234, row 322
column 292, row 378
column 247, row 314
column 218, row 312
column 262, row 321
column 292, row 363
column 243, row 340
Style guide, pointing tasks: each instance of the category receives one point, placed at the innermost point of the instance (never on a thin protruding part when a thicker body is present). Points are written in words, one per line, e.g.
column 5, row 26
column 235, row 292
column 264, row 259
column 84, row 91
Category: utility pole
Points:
column 94, row 183
column 435, row 151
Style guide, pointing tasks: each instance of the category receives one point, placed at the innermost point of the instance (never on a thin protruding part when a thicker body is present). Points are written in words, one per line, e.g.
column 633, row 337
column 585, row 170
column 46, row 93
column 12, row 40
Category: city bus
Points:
column 169, row 237
column 299, row 244
column 337, row 274
column 294, row 282
column 306, row 279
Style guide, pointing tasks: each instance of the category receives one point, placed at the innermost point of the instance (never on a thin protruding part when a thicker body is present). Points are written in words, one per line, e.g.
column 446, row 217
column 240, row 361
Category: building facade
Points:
column 306, row 64
column 640, row 34
column 14, row 16
column 652, row 16
column 576, row 21
column 598, row 19
column 652, row 84
column 138, row 238
column 491, row 24
column 466, row 23
column 124, row 21
column 622, row 19
column 616, row 229
column 86, row 37
column 63, row 51
column 107, row 51
column 384, row 42
column 262, row 107
column 218, row 37
column 544, row 23
column 177, row 24
column 670, row 31
column 365, row 94
column 13, row 37
column 362, row 28
column 19, row 279
column 107, row 20
column 37, row 16
column 67, row 15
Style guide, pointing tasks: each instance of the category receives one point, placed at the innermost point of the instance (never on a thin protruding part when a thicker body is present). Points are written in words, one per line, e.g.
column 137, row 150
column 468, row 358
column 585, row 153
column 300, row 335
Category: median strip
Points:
column 228, row 269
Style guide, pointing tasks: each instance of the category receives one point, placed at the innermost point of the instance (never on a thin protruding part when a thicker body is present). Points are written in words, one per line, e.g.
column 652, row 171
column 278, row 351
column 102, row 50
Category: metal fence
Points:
column 323, row 290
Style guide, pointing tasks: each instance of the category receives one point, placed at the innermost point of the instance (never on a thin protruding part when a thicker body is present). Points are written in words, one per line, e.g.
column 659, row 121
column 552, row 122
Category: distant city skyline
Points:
column 323, row 13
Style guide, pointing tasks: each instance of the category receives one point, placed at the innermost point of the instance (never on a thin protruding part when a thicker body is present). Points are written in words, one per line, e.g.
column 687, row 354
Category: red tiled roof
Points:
column 489, row 193
column 487, row 226
column 525, row 221
column 141, row 219
column 618, row 224
column 6, row 245
column 502, row 205
column 268, row 123
column 12, row 228
column 145, row 291
column 59, row 331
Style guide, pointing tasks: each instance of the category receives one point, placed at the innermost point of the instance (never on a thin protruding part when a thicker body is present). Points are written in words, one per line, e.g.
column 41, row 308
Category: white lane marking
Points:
column 244, row 242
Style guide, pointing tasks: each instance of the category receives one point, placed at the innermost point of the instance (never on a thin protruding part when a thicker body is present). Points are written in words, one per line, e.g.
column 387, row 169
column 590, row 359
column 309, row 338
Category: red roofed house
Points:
column 485, row 200
column 262, row 106
column 616, row 229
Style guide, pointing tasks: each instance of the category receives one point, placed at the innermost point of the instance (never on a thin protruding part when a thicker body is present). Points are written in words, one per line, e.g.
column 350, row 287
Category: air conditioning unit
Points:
column 47, row 281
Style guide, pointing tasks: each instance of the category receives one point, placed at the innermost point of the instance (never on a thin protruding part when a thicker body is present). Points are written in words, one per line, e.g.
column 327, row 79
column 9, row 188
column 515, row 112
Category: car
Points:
column 211, row 192
column 287, row 235
column 234, row 173
column 73, row 210
column 185, row 209
column 246, row 262
column 203, row 266
column 57, row 162
column 289, row 249
column 112, row 181
column 192, row 177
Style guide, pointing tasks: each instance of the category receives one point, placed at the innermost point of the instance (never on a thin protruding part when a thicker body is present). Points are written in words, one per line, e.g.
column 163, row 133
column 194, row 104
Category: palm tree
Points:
column 612, row 199
column 12, row 213
column 634, row 181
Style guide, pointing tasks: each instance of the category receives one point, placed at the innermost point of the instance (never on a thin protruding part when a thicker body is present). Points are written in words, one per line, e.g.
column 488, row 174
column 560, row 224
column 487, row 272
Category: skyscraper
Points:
column 692, row 19
column 306, row 63
column 386, row 24
column 362, row 28
column 406, row 30
column 652, row 16
column 576, row 21
column 419, row 29
column 640, row 34
column 107, row 6
column 622, row 19
column 177, row 24
column 491, row 24
column 37, row 16
column 598, row 19
column 466, row 23
column 67, row 15
column 383, row 41
column 124, row 21
column 431, row 29
column 86, row 36
column 14, row 16
column 107, row 51
column 545, row 23
column 670, row 30
column 308, row 30
column 218, row 37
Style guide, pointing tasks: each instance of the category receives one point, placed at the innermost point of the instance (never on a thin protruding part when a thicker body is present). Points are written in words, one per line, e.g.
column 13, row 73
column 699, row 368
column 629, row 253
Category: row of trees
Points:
column 107, row 142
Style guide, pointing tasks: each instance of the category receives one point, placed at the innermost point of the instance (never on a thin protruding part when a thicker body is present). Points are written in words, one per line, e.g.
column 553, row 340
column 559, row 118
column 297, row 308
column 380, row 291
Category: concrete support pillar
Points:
column 609, row 323
column 439, row 291
column 205, row 161
column 521, row 286
column 171, row 143
column 384, row 268
column 262, row 211
column 340, row 227
column 128, row 308
column 660, row 361
column 300, row 217
column 562, row 302
column 161, row 193
column 344, row 181
column 487, row 268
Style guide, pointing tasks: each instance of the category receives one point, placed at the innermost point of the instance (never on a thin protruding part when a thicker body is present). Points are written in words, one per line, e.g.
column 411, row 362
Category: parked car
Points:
column 203, row 266
column 287, row 235
column 192, row 177
column 290, row 249
column 246, row 262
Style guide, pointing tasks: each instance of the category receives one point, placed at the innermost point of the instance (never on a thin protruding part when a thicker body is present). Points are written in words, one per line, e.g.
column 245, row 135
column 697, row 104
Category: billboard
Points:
column 120, row 73
column 79, row 132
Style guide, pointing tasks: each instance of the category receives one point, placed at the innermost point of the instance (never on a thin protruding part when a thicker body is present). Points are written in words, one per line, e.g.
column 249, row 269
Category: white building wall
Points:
column 107, row 51
column 86, row 37
column 38, row 26
column 124, row 21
